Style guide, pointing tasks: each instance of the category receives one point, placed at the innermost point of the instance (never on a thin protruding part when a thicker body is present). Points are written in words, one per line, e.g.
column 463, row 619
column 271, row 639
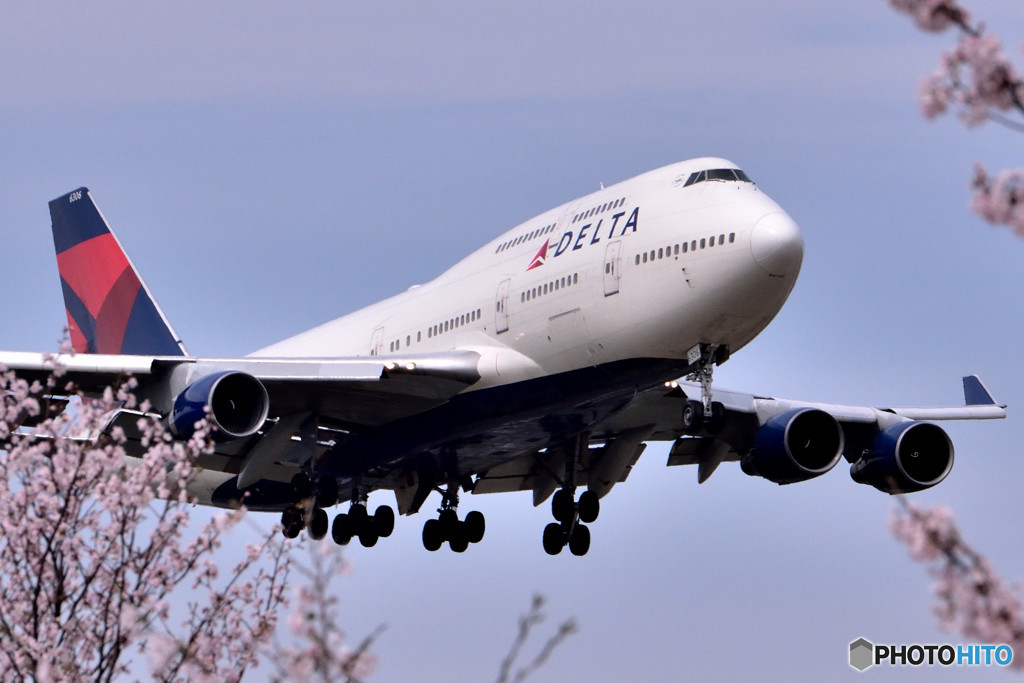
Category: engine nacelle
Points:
column 238, row 404
column 795, row 446
column 907, row 457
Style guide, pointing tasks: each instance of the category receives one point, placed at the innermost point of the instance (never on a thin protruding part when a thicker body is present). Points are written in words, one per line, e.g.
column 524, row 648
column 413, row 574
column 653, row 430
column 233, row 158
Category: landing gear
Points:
column 308, row 513
column 704, row 415
column 448, row 527
column 358, row 523
column 570, row 516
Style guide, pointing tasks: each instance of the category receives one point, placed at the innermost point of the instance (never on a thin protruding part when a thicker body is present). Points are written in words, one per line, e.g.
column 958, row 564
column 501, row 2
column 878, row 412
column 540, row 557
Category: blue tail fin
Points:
column 109, row 307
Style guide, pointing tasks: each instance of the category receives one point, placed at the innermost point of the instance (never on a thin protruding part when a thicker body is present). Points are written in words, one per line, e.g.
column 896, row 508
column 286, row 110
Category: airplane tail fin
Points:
column 109, row 307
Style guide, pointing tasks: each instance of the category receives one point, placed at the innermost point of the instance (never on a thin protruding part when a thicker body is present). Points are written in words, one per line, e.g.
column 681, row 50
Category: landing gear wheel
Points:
column 368, row 535
column 341, row 530
column 449, row 520
column 432, row 538
column 326, row 492
column 589, row 507
column 318, row 524
column 459, row 540
column 715, row 422
column 291, row 522
column 475, row 526
column 562, row 507
column 554, row 540
column 302, row 486
column 693, row 417
column 579, row 542
column 384, row 521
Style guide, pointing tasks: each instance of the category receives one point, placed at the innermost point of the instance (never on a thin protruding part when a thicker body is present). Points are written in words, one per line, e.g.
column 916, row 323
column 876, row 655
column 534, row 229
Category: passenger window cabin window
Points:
column 693, row 245
column 645, row 257
column 677, row 250
column 419, row 336
column 408, row 340
column 711, row 241
column 638, row 259
column 661, row 253
column 685, row 247
column 732, row 237
column 575, row 278
column 702, row 242
column 721, row 240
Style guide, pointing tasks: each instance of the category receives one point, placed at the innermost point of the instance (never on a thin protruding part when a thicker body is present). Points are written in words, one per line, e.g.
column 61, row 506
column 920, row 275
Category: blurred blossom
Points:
column 972, row 599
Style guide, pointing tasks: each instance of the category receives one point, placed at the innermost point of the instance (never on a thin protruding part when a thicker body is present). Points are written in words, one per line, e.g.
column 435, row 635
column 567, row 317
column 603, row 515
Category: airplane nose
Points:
column 777, row 245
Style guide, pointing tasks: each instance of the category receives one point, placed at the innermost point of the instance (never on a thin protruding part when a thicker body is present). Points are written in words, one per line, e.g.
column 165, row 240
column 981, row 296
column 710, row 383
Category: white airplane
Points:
column 543, row 361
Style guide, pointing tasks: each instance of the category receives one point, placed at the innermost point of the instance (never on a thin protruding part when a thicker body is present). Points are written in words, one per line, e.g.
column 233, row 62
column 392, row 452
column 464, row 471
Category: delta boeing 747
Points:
column 544, row 361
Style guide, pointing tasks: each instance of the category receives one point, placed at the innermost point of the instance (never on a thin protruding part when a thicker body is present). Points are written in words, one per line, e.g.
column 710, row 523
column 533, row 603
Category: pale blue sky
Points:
column 270, row 166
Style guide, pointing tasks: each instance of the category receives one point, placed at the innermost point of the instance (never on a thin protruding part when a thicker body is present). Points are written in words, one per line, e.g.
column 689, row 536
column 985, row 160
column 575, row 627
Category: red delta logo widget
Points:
column 541, row 258
column 573, row 241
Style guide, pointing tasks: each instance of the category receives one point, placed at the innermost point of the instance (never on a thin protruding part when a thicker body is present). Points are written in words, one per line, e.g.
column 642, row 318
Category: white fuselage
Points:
column 647, row 268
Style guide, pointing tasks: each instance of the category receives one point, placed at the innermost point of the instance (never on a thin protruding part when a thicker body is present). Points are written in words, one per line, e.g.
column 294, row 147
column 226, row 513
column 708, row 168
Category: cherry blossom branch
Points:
column 972, row 598
column 527, row 623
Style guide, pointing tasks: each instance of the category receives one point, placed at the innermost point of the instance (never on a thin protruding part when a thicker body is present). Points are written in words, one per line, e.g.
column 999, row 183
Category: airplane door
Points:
column 377, row 342
column 501, row 307
column 612, row 266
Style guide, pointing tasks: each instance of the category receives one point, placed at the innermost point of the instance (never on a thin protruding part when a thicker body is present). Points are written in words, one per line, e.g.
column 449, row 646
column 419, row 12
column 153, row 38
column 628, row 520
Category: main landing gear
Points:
column 448, row 527
column 571, row 517
column 704, row 415
column 308, row 513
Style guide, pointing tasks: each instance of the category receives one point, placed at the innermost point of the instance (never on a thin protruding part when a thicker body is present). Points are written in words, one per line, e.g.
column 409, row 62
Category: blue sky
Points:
column 270, row 166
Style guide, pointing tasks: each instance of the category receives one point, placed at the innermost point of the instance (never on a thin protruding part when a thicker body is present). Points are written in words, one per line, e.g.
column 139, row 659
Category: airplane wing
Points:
column 347, row 392
column 782, row 440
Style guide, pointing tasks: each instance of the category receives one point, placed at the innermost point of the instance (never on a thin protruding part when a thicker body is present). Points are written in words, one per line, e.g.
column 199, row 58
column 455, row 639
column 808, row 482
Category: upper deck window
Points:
column 724, row 174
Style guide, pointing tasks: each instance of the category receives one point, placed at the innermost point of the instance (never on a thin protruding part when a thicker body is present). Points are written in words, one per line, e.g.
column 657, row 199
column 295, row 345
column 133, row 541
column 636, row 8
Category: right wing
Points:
column 897, row 450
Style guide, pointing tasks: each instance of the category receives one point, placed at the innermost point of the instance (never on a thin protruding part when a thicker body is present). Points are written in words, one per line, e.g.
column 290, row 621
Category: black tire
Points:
column 326, row 492
column 302, row 486
column 579, row 542
column 459, row 540
column 341, row 529
column 562, row 507
column 715, row 422
column 358, row 517
column 368, row 536
column 554, row 540
column 295, row 523
column 318, row 524
column 384, row 521
column 432, row 538
column 449, row 520
column 475, row 526
column 589, row 507
column 693, row 417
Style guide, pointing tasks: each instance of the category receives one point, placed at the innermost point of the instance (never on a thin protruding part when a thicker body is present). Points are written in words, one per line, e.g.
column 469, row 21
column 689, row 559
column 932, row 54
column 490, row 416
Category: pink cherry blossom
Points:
column 979, row 82
column 972, row 598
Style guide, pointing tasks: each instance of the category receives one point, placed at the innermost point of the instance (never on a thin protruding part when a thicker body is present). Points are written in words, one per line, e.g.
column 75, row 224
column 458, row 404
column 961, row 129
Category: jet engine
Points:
column 907, row 457
column 795, row 446
column 235, row 403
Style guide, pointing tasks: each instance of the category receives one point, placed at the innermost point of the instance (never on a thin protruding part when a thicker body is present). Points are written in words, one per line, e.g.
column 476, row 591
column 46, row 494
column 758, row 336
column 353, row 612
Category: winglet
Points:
column 109, row 308
column 975, row 393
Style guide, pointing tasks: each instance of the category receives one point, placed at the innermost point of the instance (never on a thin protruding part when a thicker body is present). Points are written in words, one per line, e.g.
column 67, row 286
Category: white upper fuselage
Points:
column 646, row 268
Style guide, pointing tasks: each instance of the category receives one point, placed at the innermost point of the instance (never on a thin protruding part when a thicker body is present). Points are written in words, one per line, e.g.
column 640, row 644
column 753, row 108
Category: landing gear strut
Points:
column 704, row 415
column 571, row 517
column 448, row 527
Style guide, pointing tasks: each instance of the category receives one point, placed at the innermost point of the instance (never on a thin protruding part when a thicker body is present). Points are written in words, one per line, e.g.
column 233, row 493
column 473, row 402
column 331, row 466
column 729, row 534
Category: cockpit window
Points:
column 724, row 174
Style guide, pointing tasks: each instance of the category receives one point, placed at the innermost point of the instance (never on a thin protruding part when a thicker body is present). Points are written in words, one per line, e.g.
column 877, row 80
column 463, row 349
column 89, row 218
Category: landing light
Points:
column 410, row 366
column 671, row 385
